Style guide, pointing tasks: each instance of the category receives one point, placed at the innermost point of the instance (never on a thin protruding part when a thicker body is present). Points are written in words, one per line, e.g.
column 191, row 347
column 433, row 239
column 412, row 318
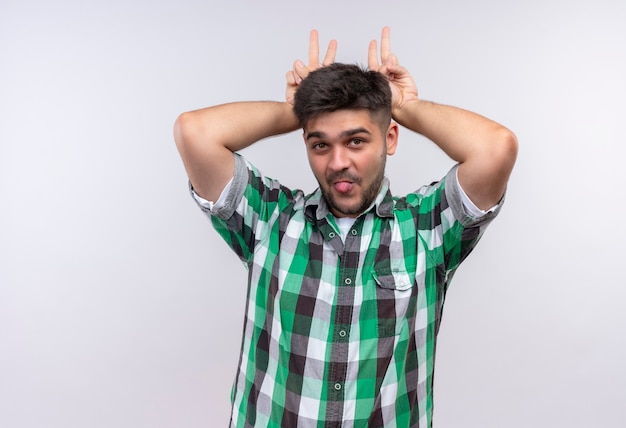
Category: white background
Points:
column 120, row 306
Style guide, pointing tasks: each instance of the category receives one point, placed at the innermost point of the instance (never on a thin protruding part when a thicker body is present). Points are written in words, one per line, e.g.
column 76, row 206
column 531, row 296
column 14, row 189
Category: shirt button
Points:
column 331, row 235
column 342, row 333
column 337, row 386
column 354, row 232
column 348, row 281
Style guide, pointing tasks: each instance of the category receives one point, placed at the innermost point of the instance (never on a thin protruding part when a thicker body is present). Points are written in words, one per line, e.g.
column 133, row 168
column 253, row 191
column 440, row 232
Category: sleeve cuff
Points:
column 462, row 206
column 231, row 195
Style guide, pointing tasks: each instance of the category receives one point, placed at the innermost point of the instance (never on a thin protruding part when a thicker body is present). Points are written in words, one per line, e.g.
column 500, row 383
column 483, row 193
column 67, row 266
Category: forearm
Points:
column 485, row 149
column 235, row 126
column 459, row 133
column 207, row 138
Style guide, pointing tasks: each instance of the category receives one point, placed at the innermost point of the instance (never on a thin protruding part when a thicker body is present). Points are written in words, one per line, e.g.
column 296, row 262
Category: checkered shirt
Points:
column 341, row 333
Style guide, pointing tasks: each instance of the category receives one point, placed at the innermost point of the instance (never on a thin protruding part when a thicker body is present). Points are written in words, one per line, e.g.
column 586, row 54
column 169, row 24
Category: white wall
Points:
column 120, row 307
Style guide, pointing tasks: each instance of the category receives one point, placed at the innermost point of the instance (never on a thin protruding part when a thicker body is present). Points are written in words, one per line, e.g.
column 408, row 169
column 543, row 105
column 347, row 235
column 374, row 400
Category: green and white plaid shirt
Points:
column 341, row 333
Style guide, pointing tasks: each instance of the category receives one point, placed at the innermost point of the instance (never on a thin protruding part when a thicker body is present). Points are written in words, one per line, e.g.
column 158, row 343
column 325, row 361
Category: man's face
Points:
column 347, row 151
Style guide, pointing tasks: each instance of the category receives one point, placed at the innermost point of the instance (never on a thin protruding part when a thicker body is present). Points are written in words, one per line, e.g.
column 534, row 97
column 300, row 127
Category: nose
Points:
column 339, row 159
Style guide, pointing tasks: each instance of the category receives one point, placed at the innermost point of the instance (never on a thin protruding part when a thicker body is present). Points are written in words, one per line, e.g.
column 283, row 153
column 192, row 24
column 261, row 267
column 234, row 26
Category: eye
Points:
column 355, row 142
column 320, row 145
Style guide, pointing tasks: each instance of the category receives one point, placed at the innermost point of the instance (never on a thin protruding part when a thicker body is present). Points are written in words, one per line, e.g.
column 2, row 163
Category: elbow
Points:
column 191, row 134
column 185, row 128
column 511, row 145
column 485, row 176
column 505, row 150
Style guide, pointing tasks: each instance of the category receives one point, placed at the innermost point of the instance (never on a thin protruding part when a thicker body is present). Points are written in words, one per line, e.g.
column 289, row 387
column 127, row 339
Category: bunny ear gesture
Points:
column 300, row 71
column 314, row 52
column 403, row 88
column 385, row 51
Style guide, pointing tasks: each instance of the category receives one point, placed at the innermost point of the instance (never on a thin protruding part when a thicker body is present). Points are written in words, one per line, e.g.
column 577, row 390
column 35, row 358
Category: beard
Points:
column 368, row 195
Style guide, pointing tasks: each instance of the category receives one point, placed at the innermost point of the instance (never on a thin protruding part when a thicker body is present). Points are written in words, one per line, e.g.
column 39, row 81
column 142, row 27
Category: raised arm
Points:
column 485, row 149
column 207, row 138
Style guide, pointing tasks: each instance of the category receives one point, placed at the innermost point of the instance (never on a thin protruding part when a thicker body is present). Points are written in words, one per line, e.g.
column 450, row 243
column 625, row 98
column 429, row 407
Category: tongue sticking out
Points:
column 343, row 186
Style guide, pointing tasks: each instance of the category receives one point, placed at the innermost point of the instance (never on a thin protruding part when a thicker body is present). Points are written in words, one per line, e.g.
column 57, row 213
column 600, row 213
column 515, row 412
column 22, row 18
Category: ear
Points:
column 392, row 137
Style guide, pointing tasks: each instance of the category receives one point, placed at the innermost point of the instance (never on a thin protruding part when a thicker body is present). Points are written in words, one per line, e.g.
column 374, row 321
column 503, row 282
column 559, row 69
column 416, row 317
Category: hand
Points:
column 301, row 71
column 403, row 88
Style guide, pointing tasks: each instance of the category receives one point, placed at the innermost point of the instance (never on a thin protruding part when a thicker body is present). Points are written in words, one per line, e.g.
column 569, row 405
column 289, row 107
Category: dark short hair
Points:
column 343, row 87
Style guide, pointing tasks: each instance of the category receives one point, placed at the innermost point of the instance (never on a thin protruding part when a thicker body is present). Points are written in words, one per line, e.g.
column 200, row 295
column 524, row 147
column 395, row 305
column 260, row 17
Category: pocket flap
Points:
column 393, row 279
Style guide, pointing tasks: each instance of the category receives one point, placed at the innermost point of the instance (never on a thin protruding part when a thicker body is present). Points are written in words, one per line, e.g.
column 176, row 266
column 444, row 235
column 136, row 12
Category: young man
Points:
column 346, row 284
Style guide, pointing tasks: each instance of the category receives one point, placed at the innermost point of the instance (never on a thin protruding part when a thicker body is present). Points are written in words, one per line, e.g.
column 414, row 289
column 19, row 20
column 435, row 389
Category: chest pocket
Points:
column 394, row 291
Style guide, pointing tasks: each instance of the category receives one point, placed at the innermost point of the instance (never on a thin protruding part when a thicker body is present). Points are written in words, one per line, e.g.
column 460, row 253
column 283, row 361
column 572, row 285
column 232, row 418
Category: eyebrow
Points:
column 344, row 134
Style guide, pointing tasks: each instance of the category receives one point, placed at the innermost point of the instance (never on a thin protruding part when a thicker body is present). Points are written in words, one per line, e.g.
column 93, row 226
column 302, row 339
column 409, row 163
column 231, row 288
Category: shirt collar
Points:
column 316, row 208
